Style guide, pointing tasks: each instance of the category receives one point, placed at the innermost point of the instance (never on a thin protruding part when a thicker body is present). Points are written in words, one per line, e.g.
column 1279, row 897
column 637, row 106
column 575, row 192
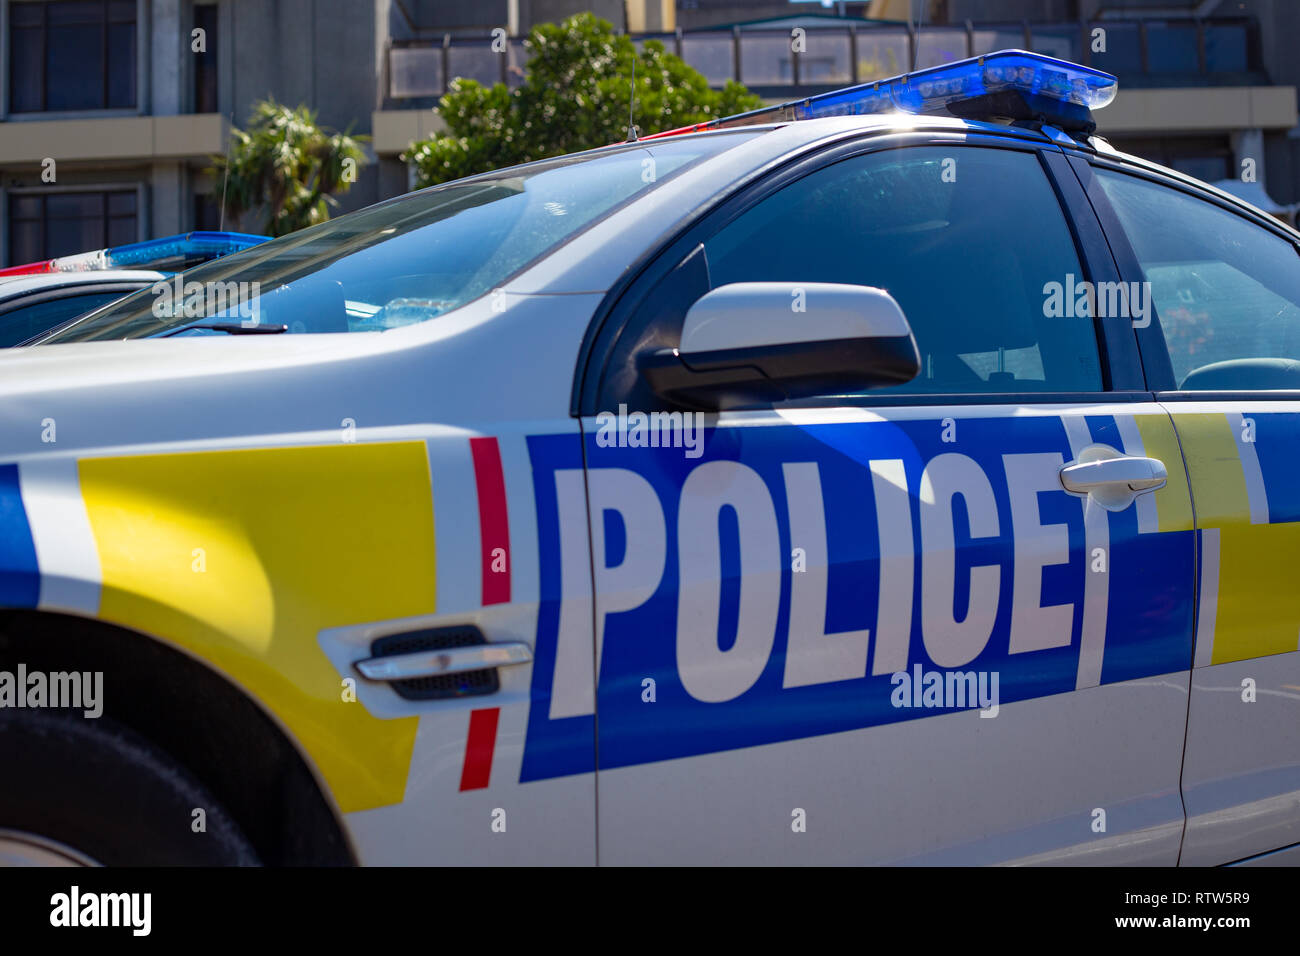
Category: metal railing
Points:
column 1143, row 52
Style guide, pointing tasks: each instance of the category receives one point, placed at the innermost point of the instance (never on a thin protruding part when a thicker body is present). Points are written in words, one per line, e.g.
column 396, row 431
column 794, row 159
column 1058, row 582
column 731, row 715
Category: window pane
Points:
column 25, row 242
column 1225, row 49
column 75, row 58
column 25, row 207
column 475, row 62
column 825, row 59
column 26, row 14
column 766, row 60
column 954, row 252
column 1227, row 292
column 18, row 325
column 121, row 66
column 120, row 204
column 1171, row 48
column 711, row 55
column 937, row 47
column 997, row 38
column 76, row 11
column 26, row 65
column 74, row 205
column 881, row 54
column 121, row 230
column 1123, row 47
column 414, row 71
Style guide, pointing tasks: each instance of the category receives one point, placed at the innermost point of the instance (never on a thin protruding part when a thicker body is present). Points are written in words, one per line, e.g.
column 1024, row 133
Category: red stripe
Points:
column 481, row 742
column 493, row 519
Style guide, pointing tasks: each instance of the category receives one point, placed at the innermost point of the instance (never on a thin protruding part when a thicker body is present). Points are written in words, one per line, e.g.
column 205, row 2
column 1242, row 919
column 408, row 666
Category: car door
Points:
column 1223, row 344
column 874, row 627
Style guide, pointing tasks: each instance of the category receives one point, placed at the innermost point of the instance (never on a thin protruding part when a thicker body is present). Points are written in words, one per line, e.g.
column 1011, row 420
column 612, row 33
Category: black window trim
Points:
column 1117, row 348
column 1154, row 350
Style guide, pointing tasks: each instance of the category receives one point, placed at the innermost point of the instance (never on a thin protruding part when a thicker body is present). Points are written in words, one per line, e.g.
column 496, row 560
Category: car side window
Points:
column 1226, row 291
column 970, row 241
column 20, row 324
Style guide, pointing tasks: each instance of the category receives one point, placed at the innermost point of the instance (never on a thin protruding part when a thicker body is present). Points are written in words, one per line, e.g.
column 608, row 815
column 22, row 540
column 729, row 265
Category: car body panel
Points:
column 272, row 504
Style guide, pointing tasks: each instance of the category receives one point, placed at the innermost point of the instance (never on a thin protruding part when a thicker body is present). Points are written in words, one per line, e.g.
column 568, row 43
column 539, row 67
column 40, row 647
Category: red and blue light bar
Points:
column 1009, row 84
column 169, row 254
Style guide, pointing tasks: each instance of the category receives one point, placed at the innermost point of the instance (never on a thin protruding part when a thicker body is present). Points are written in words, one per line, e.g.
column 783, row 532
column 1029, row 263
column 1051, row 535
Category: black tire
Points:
column 102, row 790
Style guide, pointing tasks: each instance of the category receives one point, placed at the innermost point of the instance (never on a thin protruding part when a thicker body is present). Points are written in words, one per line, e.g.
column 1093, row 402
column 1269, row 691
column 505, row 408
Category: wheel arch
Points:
column 202, row 720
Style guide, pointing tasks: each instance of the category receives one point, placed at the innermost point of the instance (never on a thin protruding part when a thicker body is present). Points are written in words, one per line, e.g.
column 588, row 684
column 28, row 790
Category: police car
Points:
column 895, row 476
column 37, row 296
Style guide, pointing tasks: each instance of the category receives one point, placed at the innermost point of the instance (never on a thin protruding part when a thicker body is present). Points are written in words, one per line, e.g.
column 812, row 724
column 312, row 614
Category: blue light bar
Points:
column 1009, row 84
column 184, row 250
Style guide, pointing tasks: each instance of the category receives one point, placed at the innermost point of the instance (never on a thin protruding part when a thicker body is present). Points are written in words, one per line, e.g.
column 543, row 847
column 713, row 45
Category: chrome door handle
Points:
column 1111, row 479
column 450, row 660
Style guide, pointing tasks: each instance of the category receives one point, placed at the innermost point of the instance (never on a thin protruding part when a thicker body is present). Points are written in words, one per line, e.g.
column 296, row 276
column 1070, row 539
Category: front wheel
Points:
column 81, row 791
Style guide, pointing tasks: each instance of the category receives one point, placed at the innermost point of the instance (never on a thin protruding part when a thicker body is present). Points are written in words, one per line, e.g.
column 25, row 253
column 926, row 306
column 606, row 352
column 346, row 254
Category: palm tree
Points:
column 285, row 167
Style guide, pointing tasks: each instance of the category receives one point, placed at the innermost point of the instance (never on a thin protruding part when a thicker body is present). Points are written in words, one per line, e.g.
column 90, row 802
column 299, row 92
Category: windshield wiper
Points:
column 231, row 328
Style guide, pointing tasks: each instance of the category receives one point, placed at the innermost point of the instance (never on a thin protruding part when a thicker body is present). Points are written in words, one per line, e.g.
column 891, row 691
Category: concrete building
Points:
column 111, row 110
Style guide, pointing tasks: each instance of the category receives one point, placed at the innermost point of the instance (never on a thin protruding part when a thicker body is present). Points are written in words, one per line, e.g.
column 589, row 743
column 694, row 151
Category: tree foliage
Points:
column 575, row 96
column 285, row 169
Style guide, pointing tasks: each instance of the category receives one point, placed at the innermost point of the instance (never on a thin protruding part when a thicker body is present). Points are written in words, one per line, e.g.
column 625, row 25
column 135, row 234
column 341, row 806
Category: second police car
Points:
column 899, row 475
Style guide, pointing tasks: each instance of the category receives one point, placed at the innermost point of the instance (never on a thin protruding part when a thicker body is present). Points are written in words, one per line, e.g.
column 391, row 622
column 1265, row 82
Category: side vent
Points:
column 439, row 663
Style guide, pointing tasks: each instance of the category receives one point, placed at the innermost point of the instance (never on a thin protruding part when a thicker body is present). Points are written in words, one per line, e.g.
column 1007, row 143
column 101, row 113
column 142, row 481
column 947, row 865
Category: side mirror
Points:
column 760, row 342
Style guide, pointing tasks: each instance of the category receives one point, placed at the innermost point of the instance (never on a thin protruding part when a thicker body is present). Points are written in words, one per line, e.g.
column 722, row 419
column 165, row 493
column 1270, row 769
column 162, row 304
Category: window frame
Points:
column 1121, row 371
column 141, row 69
column 142, row 211
column 1154, row 350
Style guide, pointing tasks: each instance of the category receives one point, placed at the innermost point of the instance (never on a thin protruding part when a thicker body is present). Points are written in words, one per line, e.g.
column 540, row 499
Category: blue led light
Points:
column 1009, row 81
column 188, row 247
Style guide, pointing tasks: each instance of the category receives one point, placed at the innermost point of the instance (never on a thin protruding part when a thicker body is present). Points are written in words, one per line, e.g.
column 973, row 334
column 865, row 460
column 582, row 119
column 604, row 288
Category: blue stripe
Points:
column 20, row 581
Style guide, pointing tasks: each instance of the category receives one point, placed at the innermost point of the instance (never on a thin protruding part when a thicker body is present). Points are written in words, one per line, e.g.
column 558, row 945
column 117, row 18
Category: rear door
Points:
column 1223, row 344
column 876, row 628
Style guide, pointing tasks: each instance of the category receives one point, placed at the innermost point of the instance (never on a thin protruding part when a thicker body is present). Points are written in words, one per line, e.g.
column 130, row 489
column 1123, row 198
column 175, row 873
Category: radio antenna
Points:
column 631, row 107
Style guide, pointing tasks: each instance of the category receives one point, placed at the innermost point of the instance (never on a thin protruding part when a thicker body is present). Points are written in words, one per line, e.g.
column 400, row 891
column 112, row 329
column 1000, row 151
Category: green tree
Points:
column 285, row 169
column 575, row 96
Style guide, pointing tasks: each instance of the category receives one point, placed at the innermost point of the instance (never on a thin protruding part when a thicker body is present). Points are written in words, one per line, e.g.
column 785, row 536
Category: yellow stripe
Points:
column 1258, row 607
column 1259, row 603
column 1218, row 483
column 243, row 557
column 1173, row 505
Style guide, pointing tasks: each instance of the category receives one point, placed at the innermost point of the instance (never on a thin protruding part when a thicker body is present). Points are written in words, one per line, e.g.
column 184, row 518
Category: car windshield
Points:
column 400, row 262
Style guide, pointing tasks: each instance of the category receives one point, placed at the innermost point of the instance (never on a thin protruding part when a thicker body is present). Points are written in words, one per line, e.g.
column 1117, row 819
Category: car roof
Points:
column 12, row 286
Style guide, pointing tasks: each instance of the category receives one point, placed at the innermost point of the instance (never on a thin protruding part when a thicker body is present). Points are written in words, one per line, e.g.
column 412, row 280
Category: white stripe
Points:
column 65, row 547
column 1209, row 597
column 1148, row 520
column 458, row 573
column 1255, row 492
column 1096, row 584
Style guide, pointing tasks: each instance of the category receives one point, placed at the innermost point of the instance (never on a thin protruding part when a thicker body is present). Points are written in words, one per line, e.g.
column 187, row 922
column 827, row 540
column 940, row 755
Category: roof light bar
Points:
column 169, row 254
column 1009, row 84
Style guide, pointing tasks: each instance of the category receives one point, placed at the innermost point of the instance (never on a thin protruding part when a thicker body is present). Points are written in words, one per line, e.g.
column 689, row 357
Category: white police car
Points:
column 828, row 486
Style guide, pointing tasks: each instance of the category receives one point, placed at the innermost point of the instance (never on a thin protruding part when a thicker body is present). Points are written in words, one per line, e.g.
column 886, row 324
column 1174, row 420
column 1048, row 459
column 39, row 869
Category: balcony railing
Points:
column 1141, row 52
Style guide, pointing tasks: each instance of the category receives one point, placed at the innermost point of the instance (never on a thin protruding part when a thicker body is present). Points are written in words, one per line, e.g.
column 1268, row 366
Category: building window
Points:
column 72, row 55
column 48, row 225
column 205, row 63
